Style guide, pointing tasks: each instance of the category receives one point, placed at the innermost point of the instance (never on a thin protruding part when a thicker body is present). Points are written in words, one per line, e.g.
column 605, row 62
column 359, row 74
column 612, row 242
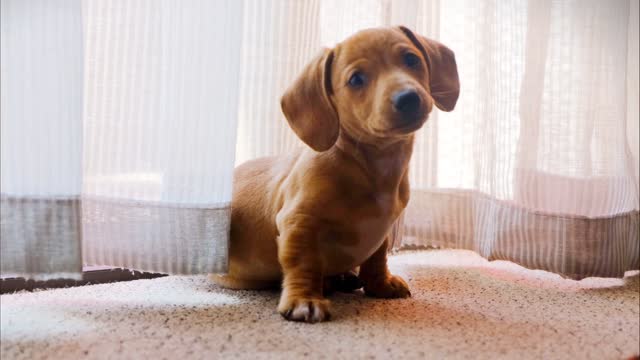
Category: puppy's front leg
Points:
column 377, row 280
column 301, row 298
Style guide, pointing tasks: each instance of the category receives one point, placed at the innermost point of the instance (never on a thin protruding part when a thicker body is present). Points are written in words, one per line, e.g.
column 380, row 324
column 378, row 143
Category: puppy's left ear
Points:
column 308, row 107
column 443, row 71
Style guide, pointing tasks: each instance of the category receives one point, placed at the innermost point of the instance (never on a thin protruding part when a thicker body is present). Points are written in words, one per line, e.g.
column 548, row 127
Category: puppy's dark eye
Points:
column 411, row 60
column 357, row 80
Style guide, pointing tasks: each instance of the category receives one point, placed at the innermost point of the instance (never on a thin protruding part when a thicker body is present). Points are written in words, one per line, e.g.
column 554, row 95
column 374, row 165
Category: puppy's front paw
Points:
column 309, row 310
column 389, row 287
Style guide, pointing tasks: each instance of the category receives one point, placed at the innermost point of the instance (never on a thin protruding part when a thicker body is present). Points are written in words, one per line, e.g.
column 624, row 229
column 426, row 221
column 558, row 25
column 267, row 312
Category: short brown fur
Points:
column 328, row 209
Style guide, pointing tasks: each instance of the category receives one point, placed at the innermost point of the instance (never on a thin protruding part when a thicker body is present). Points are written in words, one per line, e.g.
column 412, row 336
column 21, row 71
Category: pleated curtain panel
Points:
column 122, row 121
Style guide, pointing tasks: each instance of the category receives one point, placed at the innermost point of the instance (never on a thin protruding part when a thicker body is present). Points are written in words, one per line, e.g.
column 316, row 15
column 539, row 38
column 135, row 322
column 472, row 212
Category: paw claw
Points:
column 287, row 314
column 305, row 310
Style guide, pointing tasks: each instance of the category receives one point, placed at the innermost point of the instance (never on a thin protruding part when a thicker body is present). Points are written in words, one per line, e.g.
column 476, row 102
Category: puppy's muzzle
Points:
column 408, row 105
column 406, row 101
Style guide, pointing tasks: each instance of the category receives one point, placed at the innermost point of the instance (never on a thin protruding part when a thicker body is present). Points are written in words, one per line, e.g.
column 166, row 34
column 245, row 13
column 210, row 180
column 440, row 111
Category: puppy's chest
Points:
column 361, row 233
column 375, row 219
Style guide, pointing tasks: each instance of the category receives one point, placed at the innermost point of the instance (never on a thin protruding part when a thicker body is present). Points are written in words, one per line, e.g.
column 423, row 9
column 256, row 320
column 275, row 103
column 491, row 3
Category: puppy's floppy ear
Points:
column 308, row 107
column 443, row 71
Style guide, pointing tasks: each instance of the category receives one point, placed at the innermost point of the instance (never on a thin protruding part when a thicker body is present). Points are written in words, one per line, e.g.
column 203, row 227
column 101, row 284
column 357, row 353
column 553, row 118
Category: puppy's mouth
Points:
column 410, row 125
column 399, row 127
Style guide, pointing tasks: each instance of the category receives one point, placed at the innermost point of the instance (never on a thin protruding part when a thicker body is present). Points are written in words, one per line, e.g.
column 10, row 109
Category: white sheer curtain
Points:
column 41, row 137
column 538, row 164
column 118, row 134
column 119, row 127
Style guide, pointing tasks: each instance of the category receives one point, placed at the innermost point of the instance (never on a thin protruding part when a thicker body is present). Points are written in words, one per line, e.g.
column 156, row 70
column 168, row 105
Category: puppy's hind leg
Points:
column 242, row 275
column 231, row 282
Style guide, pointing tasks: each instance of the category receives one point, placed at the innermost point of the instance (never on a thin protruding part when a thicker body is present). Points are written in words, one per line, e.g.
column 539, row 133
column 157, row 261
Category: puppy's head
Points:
column 377, row 86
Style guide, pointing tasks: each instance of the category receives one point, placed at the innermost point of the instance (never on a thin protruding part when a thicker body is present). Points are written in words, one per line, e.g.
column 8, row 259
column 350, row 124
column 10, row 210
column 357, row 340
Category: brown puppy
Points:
column 326, row 210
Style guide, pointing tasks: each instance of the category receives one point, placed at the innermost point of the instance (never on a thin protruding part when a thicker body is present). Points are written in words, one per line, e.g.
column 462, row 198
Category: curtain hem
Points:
column 574, row 247
column 146, row 237
column 40, row 238
column 48, row 238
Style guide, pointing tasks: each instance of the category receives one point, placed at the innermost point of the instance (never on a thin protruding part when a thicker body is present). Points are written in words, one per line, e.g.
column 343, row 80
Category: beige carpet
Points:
column 462, row 307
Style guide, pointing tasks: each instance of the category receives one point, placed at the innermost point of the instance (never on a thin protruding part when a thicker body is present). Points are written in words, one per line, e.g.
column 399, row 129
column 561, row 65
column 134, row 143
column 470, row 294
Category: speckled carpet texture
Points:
column 463, row 307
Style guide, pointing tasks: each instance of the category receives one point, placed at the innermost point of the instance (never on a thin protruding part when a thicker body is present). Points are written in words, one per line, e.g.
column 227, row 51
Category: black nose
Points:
column 406, row 102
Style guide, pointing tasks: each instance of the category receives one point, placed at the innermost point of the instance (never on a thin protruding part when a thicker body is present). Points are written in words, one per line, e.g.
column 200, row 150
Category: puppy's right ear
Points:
column 443, row 72
column 308, row 107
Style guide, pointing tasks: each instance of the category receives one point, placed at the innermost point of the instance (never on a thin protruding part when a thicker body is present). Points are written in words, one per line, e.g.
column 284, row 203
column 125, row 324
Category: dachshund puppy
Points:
column 327, row 209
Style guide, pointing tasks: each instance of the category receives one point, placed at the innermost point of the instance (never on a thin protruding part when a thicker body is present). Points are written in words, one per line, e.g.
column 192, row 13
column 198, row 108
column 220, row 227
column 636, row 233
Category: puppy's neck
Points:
column 385, row 165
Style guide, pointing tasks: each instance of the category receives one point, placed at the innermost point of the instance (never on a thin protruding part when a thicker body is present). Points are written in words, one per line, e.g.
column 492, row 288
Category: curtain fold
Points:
column 161, row 104
column 41, row 84
column 118, row 134
column 535, row 165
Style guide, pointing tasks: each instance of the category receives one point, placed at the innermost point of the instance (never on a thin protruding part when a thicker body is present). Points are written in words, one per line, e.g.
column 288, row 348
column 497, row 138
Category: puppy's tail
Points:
column 230, row 282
